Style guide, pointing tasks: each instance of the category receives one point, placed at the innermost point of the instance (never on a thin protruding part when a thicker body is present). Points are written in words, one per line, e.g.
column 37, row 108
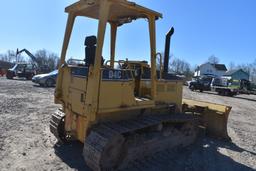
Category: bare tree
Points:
column 53, row 61
column 8, row 57
column 179, row 66
column 158, row 61
column 41, row 57
column 11, row 55
column 47, row 58
column 213, row 59
column 232, row 66
column 2, row 57
column 253, row 72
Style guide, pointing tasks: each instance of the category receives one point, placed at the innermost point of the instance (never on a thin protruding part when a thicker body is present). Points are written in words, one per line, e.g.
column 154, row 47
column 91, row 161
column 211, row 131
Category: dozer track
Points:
column 113, row 145
column 57, row 125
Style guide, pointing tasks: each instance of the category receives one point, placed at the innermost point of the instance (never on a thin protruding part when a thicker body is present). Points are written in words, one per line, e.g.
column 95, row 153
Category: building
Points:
column 208, row 69
column 237, row 74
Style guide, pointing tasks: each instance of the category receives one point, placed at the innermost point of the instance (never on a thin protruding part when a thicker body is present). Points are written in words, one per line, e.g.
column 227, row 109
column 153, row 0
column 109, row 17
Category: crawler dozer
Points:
column 124, row 110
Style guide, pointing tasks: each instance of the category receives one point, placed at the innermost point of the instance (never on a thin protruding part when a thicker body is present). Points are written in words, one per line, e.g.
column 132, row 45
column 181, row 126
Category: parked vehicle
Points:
column 225, row 86
column 47, row 80
column 21, row 70
column 201, row 84
column 246, row 87
column 27, row 70
column 40, row 68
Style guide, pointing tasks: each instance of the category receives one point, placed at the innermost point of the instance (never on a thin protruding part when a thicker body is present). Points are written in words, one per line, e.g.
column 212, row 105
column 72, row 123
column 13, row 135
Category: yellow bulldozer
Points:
column 124, row 110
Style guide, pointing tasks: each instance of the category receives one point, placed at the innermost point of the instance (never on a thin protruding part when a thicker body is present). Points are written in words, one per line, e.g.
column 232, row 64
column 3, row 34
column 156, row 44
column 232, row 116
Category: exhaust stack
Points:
column 167, row 51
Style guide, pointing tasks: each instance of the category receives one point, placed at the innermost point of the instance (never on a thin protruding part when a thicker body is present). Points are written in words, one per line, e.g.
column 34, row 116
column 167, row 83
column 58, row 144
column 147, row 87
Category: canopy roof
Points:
column 121, row 11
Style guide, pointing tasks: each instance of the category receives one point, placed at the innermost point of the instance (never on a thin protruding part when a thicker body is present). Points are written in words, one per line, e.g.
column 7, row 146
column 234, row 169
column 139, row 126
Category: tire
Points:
column 221, row 92
column 9, row 76
column 49, row 82
column 232, row 94
column 29, row 77
column 192, row 87
column 201, row 90
column 227, row 93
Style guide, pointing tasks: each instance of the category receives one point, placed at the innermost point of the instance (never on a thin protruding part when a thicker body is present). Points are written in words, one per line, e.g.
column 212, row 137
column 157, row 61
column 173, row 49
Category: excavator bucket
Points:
column 213, row 117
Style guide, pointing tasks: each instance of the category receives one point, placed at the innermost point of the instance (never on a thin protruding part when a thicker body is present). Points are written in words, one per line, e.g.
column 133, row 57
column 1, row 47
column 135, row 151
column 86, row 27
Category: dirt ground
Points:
column 27, row 144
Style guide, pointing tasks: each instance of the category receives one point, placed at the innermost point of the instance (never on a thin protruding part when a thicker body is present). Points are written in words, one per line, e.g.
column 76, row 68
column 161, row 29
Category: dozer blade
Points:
column 214, row 117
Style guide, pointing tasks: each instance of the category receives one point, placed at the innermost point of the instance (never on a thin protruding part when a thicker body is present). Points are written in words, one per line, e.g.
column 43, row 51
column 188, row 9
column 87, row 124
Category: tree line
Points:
column 176, row 65
column 182, row 67
column 43, row 57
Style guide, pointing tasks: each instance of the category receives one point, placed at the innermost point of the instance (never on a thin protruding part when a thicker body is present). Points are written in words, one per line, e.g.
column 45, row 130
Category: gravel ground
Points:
column 27, row 144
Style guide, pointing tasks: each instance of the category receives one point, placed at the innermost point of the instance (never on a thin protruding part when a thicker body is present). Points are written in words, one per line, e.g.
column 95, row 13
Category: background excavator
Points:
column 125, row 113
column 27, row 70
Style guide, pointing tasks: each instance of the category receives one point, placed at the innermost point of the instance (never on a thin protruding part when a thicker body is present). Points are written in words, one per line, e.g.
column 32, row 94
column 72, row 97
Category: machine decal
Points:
column 79, row 71
column 113, row 74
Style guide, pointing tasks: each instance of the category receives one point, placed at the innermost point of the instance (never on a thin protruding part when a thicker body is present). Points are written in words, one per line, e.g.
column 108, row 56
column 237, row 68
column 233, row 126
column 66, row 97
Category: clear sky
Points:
column 225, row 28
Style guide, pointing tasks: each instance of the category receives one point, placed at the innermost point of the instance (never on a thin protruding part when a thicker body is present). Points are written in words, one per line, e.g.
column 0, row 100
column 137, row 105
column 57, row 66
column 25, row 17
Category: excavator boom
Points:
column 41, row 67
column 28, row 53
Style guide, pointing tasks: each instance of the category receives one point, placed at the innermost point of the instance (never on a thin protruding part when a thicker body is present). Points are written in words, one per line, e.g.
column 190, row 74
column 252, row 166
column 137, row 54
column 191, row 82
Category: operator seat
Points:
column 90, row 50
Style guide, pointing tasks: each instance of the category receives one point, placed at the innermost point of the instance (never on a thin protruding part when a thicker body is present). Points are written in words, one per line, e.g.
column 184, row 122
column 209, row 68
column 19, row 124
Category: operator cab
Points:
column 125, row 70
column 133, row 85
